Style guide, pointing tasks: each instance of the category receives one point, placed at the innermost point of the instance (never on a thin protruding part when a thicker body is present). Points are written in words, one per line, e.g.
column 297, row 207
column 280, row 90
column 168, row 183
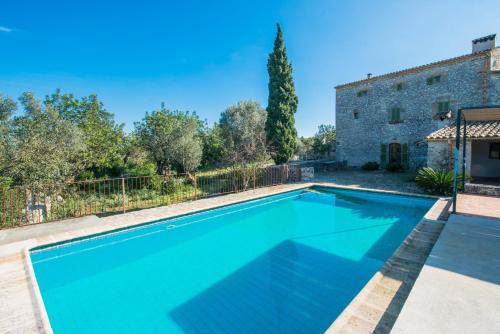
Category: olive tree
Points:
column 42, row 147
column 244, row 134
column 171, row 138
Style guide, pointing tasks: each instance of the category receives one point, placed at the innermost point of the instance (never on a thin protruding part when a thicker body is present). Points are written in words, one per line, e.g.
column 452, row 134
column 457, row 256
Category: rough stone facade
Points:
column 440, row 155
column 363, row 119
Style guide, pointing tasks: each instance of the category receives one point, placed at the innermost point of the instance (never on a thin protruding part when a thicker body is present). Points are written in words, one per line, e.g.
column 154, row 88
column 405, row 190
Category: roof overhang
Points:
column 481, row 113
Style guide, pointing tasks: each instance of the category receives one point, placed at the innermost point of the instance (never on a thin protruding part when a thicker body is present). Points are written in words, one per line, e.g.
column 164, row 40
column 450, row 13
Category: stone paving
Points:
column 379, row 179
column 458, row 289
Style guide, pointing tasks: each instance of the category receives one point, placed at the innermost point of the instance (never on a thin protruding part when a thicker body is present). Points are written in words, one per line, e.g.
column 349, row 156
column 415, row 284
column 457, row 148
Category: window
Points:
column 362, row 93
column 395, row 115
column 443, row 106
column 494, row 151
column 399, row 86
column 355, row 114
column 434, row 79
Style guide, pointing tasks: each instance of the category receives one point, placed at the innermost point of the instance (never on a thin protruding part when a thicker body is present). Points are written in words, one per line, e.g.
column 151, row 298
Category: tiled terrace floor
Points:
column 477, row 205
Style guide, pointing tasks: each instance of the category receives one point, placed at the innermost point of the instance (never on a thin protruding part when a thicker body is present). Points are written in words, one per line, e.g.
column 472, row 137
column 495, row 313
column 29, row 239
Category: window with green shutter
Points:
column 383, row 155
column 395, row 116
column 362, row 93
column 443, row 106
column 434, row 79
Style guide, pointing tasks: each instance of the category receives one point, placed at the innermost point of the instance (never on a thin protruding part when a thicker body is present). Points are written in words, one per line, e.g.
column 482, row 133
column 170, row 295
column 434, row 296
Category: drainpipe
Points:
column 455, row 165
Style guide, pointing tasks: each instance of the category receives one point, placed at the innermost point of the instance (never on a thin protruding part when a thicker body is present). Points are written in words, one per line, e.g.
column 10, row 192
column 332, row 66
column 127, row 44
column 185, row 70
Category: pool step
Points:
column 376, row 308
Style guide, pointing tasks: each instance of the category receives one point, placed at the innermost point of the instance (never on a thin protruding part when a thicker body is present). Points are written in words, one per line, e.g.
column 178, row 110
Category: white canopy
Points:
column 481, row 114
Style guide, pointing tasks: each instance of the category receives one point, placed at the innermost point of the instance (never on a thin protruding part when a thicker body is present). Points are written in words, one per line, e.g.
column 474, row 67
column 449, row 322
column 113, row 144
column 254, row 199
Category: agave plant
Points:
column 436, row 182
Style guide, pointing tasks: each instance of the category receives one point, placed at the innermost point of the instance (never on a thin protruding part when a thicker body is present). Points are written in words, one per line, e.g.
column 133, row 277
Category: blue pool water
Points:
column 283, row 264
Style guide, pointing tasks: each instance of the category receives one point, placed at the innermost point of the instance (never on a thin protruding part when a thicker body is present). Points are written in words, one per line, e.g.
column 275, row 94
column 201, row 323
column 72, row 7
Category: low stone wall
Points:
column 307, row 173
column 482, row 189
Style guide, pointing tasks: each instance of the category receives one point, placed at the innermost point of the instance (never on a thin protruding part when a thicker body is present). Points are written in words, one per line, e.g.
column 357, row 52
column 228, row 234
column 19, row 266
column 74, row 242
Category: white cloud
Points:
column 5, row 29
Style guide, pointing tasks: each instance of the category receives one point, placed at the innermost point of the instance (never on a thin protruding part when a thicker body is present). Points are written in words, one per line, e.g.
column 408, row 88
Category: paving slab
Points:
column 458, row 289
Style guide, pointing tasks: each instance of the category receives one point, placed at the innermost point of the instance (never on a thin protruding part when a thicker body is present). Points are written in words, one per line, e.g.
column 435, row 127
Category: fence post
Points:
column 195, row 186
column 254, row 169
column 123, row 194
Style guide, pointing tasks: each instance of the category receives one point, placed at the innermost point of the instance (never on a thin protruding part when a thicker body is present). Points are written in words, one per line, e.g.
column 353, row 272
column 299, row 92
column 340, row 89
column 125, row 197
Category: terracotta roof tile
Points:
column 475, row 129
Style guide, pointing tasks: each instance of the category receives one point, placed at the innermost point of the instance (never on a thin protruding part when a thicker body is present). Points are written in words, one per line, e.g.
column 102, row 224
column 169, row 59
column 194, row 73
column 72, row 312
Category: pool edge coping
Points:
column 34, row 244
column 360, row 300
column 41, row 310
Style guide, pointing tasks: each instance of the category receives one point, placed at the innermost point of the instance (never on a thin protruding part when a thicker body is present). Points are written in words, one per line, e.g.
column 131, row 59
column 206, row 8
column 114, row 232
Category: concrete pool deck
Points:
column 458, row 289
column 20, row 310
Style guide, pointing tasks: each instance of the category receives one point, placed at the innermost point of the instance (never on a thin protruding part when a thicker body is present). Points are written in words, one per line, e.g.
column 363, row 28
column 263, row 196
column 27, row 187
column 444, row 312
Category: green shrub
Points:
column 436, row 182
column 5, row 182
column 370, row 165
column 395, row 167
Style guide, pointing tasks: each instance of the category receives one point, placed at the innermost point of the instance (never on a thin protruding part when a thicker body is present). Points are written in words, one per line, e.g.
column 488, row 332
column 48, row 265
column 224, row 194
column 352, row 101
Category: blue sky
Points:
column 206, row 55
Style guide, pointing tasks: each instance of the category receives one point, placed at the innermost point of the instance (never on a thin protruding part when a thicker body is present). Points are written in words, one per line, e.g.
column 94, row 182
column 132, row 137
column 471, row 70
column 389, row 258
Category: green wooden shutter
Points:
column 404, row 155
column 383, row 155
column 398, row 115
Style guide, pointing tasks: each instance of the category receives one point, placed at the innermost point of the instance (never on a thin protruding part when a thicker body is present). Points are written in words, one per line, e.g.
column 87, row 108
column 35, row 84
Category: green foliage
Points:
column 395, row 167
column 5, row 182
column 370, row 166
column 41, row 146
column 213, row 146
column 104, row 139
column 282, row 104
column 323, row 140
column 7, row 108
column 171, row 138
column 243, row 131
column 304, row 148
column 436, row 182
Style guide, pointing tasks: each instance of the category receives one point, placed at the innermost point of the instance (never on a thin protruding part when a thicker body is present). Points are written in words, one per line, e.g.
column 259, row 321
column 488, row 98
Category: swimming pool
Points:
column 288, row 263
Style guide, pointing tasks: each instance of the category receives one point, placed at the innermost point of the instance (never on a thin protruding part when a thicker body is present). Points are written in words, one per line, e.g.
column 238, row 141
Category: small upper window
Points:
column 443, row 106
column 400, row 86
column 362, row 93
column 355, row 114
column 434, row 79
column 494, row 151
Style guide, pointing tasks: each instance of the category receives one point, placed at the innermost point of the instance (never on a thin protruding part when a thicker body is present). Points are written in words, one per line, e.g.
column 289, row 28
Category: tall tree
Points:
column 43, row 147
column 213, row 146
column 282, row 103
column 104, row 139
column 243, row 132
column 172, row 139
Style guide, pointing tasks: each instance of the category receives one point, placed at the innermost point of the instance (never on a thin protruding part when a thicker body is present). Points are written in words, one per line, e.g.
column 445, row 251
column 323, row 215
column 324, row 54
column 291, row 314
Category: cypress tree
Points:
column 282, row 104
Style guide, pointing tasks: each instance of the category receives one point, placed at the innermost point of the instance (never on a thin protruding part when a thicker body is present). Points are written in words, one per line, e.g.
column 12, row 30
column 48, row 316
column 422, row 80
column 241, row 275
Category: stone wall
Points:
column 482, row 189
column 438, row 155
column 463, row 83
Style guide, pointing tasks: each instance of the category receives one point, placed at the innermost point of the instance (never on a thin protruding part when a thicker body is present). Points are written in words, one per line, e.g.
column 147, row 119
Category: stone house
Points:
column 408, row 116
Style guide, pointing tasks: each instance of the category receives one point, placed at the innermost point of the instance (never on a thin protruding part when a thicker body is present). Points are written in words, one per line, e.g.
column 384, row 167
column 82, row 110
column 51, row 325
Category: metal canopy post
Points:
column 464, row 150
column 455, row 165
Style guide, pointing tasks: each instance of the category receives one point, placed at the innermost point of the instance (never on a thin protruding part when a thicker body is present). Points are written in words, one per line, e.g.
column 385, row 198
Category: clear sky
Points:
column 206, row 55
